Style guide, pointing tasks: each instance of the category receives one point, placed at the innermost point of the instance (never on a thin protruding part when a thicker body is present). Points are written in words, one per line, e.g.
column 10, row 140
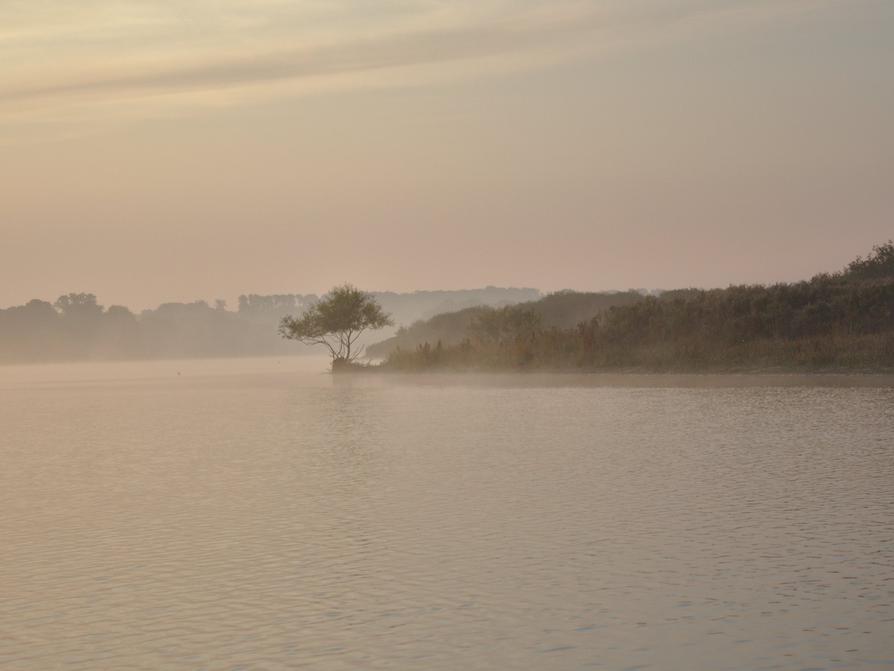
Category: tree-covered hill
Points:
column 841, row 320
column 561, row 310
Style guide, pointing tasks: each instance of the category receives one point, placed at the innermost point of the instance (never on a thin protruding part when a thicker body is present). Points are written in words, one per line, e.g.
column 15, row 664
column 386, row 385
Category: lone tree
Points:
column 337, row 321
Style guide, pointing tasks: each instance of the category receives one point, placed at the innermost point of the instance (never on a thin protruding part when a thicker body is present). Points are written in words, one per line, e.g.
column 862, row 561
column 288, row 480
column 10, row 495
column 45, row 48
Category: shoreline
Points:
column 629, row 370
column 630, row 377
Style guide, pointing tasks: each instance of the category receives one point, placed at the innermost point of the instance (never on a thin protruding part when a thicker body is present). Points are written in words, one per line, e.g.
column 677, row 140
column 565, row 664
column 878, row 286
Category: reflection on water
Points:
column 253, row 515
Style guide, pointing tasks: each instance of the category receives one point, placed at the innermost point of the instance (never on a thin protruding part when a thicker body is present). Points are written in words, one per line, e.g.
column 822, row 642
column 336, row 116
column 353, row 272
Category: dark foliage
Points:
column 843, row 320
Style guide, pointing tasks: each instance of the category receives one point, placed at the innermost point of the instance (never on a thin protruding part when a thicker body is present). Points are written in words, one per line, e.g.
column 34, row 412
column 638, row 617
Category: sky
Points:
column 172, row 150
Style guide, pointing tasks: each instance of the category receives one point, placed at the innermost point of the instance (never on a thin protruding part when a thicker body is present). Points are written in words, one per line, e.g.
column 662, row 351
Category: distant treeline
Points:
column 842, row 320
column 76, row 327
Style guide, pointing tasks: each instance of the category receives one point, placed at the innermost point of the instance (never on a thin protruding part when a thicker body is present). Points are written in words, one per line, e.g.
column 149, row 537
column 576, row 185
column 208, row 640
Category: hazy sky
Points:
column 163, row 150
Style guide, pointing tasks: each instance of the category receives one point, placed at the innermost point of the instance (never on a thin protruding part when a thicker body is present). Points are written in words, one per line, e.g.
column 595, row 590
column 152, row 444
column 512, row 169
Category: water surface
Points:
column 258, row 514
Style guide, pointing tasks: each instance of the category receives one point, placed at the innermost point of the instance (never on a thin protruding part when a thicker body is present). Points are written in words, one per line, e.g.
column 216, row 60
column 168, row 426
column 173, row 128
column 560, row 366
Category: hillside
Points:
column 841, row 320
column 561, row 310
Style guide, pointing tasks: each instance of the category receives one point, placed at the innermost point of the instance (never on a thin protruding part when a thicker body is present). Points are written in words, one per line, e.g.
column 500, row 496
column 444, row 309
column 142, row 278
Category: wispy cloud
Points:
column 102, row 51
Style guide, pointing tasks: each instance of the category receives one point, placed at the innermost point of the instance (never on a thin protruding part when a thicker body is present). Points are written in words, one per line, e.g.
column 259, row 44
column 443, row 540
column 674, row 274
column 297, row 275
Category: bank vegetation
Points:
column 834, row 321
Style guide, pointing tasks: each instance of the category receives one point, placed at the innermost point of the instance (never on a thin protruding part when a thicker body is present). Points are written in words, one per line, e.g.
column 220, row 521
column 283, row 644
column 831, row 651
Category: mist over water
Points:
column 261, row 514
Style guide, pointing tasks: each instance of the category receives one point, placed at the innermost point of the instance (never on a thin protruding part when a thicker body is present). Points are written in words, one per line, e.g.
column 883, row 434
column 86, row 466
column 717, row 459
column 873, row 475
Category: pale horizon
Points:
column 151, row 153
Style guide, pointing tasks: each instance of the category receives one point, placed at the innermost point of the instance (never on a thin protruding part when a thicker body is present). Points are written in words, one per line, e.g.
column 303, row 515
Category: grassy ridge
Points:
column 564, row 309
column 841, row 321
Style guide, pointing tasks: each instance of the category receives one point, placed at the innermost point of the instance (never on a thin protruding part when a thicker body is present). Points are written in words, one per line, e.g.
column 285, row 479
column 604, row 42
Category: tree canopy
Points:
column 337, row 322
column 878, row 265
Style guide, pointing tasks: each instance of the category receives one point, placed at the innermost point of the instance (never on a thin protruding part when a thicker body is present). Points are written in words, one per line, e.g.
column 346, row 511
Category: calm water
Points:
column 261, row 515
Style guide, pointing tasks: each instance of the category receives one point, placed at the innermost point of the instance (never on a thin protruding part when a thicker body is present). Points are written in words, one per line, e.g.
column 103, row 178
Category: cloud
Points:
column 107, row 51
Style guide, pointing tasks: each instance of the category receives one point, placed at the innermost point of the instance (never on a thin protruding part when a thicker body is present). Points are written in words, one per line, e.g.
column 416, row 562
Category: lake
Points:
column 260, row 514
